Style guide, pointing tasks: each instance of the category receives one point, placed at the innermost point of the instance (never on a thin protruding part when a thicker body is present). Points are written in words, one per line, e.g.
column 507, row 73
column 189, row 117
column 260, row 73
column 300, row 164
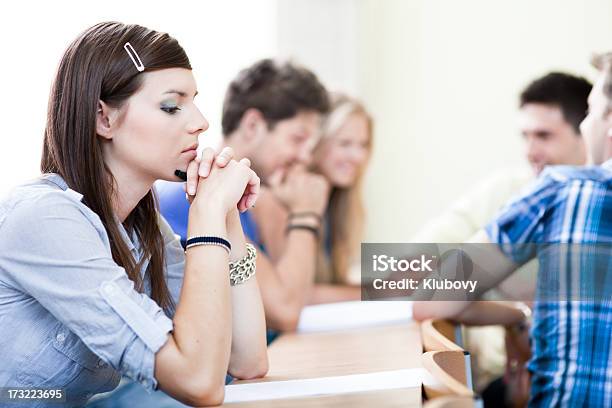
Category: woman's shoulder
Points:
column 35, row 200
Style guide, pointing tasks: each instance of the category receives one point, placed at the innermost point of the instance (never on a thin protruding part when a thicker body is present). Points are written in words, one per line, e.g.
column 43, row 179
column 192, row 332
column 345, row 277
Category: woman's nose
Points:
column 200, row 124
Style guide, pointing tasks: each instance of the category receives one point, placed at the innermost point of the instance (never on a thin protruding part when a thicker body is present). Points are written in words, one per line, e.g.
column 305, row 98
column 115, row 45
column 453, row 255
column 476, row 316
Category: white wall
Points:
column 220, row 38
column 322, row 35
column 443, row 79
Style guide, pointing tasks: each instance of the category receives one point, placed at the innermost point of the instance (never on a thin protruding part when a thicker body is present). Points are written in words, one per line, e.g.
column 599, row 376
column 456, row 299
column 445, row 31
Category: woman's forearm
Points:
column 248, row 357
column 193, row 363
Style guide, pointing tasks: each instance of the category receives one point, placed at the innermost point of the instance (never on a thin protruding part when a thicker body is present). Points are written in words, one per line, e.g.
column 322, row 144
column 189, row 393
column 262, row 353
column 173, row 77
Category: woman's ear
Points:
column 105, row 116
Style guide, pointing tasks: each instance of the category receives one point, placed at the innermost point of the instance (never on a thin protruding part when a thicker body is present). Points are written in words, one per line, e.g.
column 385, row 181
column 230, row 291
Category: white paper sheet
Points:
column 383, row 380
column 353, row 315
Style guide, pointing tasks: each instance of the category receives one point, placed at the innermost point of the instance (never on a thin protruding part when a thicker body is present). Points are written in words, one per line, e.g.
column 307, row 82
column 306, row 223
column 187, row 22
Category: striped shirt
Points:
column 568, row 206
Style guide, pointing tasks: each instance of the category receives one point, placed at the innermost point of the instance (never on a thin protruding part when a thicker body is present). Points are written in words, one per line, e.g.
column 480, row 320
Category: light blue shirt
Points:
column 69, row 315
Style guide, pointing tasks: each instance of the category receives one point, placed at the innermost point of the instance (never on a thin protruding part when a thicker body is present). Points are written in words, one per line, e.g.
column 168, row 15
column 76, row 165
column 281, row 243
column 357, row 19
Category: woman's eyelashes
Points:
column 170, row 108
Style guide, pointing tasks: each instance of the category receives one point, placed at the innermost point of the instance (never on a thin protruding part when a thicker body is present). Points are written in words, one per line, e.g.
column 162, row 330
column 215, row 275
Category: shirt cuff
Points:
column 149, row 332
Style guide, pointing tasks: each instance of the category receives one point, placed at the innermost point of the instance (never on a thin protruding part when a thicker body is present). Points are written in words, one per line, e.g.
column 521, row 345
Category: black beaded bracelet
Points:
column 310, row 228
column 207, row 240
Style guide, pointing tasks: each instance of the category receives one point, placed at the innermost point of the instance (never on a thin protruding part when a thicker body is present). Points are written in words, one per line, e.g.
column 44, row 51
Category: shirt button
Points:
column 101, row 363
column 60, row 337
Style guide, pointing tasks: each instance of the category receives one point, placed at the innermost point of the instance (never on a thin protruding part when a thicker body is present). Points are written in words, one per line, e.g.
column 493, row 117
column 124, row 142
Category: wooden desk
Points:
column 302, row 356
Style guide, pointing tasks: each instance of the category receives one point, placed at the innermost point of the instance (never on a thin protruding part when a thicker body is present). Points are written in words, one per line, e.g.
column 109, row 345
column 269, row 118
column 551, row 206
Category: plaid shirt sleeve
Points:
column 519, row 224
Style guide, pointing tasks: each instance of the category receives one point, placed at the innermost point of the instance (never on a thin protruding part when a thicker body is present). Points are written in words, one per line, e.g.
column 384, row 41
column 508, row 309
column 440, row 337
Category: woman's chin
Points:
column 343, row 182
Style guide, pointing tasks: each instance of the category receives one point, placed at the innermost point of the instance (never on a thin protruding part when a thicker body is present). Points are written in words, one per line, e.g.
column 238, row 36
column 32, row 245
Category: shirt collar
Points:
column 55, row 179
column 607, row 164
column 129, row 241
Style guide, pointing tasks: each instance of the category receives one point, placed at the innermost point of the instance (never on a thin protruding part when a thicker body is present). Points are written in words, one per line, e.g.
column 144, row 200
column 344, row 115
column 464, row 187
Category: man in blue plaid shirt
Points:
column 571, row 340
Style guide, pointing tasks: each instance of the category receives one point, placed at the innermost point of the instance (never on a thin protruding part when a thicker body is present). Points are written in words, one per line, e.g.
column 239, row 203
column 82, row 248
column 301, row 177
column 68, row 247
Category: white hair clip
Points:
column 134, row 56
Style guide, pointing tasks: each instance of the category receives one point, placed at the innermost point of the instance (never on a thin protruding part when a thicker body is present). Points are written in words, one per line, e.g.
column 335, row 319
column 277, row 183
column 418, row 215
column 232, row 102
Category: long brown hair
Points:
column 97, row 67
column 345, row 210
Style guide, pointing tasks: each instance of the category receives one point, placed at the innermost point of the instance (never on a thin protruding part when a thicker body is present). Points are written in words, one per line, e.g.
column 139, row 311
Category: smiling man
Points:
column 551, row 109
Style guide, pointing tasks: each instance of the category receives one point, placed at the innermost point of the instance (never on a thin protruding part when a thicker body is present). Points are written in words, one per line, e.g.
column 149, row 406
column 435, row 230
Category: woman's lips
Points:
column 190, row 148
column 190, row 154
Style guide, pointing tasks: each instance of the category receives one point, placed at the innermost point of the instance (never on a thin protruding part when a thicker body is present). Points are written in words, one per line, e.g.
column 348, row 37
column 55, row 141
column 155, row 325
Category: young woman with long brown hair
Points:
column 93, row 283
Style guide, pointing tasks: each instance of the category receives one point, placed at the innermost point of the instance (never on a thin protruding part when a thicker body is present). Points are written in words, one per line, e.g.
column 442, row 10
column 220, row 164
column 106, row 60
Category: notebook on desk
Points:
column 353, row 315
column 385, row 380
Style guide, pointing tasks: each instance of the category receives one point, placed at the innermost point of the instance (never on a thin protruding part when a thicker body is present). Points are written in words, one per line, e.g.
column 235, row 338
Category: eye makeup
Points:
column 170, row 107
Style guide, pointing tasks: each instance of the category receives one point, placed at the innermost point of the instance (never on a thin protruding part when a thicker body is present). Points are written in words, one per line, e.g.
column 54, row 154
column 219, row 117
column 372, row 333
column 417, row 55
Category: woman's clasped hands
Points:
column 221, row 179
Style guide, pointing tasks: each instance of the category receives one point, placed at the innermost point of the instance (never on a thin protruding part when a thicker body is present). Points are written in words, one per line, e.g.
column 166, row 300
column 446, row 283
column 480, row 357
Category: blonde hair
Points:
column 345, row 210
column 603, row 62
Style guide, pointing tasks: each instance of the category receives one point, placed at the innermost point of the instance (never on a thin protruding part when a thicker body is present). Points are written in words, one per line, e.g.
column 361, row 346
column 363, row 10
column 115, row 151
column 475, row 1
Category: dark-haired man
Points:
column 271, row 114
column 552, row 108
